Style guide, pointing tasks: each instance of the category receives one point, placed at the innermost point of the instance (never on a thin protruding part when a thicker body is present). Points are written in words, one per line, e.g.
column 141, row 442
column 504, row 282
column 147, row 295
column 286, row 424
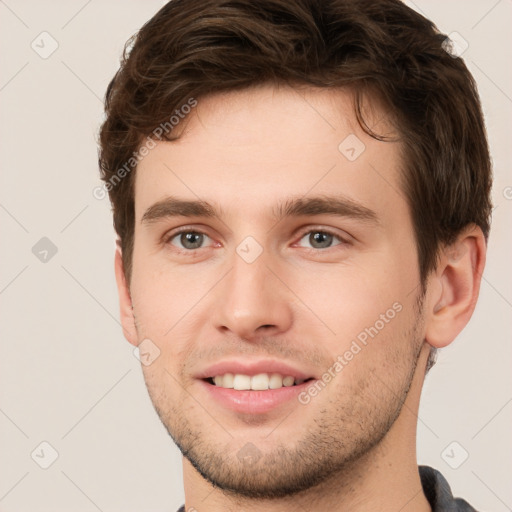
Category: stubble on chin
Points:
column 345, row 429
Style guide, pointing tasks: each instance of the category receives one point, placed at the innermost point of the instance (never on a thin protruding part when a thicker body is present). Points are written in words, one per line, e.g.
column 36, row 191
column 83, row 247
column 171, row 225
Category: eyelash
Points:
column 167, row 239
column 309, row 231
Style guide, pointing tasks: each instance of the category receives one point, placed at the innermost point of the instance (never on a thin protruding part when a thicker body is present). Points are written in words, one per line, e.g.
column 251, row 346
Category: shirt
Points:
column 436, row 490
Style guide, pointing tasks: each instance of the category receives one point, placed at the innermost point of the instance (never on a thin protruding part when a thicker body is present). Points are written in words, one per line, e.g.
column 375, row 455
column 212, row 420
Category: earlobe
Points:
column 125, row 301
column 454, row 287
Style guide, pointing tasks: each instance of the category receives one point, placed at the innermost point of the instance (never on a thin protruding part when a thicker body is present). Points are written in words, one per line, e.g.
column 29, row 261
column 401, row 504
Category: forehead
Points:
column 252, row 148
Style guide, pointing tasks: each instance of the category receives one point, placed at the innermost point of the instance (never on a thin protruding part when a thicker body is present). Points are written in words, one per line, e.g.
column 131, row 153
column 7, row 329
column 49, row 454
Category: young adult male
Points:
column 301, row 194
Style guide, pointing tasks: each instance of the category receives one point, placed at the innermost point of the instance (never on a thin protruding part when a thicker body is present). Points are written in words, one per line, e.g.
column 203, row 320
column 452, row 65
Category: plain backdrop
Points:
column 67, row 376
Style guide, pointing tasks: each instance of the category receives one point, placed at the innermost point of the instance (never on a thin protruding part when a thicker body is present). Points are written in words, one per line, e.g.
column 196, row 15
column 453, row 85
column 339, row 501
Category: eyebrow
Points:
column 326, row 205
column 302, row 206
column 173, row 207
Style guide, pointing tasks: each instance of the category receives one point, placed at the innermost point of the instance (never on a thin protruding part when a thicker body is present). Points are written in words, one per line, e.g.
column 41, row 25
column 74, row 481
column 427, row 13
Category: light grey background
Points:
column 68, row 377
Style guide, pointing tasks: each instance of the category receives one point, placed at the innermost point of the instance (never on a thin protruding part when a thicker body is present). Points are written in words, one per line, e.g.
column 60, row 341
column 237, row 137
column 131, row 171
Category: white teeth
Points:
column 259, row 382
column 227, row 380
column 288, row 381
column 276, row 381
column 241, row 382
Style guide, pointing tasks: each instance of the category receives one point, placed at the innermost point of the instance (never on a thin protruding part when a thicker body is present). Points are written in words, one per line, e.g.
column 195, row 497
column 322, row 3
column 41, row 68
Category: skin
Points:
column 353, row 446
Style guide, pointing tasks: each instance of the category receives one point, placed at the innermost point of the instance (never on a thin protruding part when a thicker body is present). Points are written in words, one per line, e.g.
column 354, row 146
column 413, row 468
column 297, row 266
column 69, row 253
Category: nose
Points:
column 252, row 302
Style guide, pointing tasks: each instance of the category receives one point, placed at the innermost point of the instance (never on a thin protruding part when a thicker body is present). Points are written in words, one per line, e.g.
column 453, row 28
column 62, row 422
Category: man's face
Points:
column 269, row 240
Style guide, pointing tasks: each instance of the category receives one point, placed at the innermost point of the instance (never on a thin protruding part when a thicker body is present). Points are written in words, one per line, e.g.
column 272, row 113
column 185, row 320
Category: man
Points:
column 301, row 194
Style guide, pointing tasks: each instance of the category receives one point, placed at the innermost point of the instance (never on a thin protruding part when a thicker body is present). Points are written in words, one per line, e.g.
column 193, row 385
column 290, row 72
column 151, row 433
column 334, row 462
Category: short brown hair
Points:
column 192, row 48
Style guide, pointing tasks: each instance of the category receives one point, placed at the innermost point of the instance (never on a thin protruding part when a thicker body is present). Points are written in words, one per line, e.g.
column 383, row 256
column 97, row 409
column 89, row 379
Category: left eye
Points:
column 190, row 240
column 319, row 240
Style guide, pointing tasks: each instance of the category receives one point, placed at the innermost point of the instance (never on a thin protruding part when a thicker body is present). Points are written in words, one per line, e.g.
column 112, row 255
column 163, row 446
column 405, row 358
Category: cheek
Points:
column 363, row 310
column 349, row 298
column 168, row 304
column 154, row 291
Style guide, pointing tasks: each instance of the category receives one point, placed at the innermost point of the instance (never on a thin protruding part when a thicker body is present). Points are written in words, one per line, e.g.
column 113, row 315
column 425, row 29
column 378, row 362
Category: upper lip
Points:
column 252, row 368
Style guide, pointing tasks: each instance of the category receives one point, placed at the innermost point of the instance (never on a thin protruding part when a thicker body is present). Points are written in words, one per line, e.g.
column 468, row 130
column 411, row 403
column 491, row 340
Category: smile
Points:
column 259, row 382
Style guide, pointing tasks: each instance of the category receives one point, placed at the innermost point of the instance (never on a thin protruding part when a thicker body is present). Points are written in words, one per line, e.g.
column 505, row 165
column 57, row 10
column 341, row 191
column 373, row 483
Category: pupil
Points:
column 191, row 240
column 320, row 240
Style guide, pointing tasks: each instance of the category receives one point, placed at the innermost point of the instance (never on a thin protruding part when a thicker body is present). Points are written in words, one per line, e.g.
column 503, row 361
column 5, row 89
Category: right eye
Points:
column 190, row 240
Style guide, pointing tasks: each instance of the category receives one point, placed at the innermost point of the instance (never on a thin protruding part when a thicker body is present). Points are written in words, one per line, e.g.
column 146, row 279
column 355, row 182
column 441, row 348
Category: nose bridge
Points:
column 252, row 299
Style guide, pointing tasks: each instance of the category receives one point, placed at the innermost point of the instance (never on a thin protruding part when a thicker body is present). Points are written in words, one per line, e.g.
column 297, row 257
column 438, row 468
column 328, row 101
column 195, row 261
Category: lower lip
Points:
column 254, row 402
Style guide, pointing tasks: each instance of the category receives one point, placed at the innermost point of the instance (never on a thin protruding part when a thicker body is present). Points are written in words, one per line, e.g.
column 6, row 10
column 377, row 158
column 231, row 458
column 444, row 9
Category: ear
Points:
column 453, row 287
column 125, row 300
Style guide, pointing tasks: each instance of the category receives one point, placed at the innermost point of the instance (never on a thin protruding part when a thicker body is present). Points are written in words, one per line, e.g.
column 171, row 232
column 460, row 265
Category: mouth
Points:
column 258, row 382
column 254, row 397
column 254, row 387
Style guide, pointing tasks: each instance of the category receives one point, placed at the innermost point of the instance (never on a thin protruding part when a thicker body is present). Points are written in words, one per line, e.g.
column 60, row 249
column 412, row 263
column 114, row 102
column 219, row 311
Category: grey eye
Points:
column 320, row 239
column 189, row 240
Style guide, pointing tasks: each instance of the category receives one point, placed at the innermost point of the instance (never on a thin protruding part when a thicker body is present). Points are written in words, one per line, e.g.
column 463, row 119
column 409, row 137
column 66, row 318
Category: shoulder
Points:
column 439, row 494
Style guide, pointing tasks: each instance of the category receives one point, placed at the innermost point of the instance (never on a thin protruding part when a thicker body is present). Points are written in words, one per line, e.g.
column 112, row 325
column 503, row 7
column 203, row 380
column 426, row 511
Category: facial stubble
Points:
column 346, row 428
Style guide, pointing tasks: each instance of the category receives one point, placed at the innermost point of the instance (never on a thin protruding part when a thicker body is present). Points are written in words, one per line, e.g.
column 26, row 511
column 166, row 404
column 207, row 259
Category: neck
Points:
column 385, row 478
